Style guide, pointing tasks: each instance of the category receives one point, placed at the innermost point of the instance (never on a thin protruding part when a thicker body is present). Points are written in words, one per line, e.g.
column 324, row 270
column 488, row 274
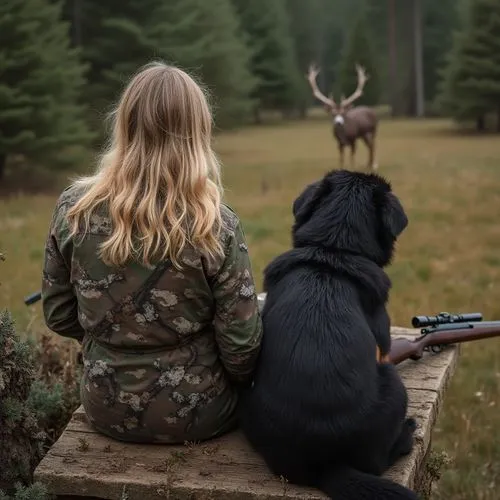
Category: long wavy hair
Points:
column 159, row 178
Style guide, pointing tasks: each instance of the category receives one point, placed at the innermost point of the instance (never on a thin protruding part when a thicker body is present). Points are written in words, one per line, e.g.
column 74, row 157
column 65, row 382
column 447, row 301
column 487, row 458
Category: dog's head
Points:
column 350, row 211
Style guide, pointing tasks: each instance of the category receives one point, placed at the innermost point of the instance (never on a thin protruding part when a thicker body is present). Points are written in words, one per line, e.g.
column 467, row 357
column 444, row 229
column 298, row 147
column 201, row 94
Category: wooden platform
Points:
column 85, row 464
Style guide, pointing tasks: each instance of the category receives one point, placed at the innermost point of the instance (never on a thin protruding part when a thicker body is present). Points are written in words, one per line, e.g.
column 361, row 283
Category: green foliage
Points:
column 358, row 50
column 307, row 34
column 20, row 435
column 439, row 20
column 116, row 43
column 35, row 491
column 471, row 85
column 46, row 402
column 41, row 79
column 35, row 405
column 273, row 61
column 333, row 22
column 204, row 38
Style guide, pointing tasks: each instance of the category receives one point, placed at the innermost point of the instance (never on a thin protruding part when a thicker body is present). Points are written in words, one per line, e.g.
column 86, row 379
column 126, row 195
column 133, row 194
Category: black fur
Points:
column 322, row 412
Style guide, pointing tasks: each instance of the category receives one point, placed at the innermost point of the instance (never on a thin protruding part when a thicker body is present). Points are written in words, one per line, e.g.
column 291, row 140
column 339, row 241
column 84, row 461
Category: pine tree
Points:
column 204, row 38
column 440, row 19
column 307, row 31
column 335, row 19
column 358, row 50
column 115, row 43
column 471, row 83
column 41, row 78
column 267, row 30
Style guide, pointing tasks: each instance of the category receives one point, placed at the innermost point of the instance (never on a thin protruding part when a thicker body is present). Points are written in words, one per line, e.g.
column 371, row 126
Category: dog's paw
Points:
column 406, row 438
column 404, row 444
column 411, row 424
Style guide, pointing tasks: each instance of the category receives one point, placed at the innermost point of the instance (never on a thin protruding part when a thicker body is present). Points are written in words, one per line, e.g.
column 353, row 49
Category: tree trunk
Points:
column 393, row 72
column 3, row 163
column 498, row 119
column 480, row 123
column 418, row 59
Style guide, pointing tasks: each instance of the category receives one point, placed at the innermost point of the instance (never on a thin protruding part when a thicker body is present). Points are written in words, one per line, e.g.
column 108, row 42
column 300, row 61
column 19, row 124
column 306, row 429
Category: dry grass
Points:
column 447, row 259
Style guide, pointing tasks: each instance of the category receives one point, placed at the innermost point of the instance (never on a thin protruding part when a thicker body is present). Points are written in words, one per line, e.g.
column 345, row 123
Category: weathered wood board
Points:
column 85, row 464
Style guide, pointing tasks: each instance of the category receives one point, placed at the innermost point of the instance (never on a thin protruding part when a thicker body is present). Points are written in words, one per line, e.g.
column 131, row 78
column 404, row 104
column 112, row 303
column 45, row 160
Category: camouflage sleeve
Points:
column 59, row 302
column 238, row 324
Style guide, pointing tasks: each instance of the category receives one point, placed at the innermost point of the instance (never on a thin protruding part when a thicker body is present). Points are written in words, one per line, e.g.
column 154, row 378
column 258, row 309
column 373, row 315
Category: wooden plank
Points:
column 85, row 464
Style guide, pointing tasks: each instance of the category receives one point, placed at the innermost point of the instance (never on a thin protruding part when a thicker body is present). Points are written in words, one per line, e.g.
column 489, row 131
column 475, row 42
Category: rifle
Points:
column 32, row 298
column 442, row 330
column 437, row 332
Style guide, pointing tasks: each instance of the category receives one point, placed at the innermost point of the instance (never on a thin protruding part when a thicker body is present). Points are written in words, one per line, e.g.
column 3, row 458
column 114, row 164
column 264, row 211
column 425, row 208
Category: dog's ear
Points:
column 308, row 200
column 394, row 218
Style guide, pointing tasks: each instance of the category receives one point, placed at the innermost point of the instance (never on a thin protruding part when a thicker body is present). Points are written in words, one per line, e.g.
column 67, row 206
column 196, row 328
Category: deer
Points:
column 349, row 123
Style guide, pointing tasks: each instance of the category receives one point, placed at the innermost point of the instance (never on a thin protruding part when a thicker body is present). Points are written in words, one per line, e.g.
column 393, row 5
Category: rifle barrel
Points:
column 483, row 330
column 32, row 298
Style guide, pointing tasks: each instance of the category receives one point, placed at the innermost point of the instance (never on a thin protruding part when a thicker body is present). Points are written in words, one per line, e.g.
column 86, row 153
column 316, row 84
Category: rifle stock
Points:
column 402, row 348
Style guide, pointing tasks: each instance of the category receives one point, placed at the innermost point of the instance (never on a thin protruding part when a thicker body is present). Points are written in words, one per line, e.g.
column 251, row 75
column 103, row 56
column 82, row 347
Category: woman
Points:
column 150, row 271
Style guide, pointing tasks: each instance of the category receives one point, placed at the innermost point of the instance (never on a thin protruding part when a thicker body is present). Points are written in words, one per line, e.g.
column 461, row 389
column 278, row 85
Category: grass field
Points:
column 448, row 258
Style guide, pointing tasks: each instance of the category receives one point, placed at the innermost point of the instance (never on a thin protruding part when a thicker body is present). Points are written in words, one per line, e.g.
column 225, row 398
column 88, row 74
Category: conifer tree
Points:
column 204, row 38
column 41, row 78
column 115, row 43
column 358, row 50
column 471, row 83
column 307, row 32
column 267, row 28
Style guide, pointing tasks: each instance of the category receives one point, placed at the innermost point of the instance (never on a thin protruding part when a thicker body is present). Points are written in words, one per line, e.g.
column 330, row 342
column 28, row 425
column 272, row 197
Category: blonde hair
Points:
column 159, row 179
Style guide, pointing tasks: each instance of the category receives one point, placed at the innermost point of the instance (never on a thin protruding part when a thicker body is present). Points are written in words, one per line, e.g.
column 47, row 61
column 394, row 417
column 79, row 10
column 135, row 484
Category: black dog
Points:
column 322, row 411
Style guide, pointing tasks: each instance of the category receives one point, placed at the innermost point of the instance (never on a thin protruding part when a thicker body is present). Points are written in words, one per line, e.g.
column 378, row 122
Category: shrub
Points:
column 36, row 491
column 20, row 434
column 35, row 404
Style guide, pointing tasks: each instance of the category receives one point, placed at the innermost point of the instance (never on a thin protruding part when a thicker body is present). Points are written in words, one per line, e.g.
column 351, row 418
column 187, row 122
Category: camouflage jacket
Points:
column 164, row 349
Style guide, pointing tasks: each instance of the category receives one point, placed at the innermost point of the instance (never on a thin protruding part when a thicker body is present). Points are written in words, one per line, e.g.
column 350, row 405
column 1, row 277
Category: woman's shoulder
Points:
column 230, row 218
column 69, row 196
column 231, row 224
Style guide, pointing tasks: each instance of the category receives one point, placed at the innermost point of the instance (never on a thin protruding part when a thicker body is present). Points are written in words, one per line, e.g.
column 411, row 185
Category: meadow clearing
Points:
column 448, row 259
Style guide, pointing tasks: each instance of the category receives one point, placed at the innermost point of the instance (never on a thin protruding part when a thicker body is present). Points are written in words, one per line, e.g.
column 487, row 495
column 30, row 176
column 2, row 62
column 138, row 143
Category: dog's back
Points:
column 321, row 410
column 316, row 338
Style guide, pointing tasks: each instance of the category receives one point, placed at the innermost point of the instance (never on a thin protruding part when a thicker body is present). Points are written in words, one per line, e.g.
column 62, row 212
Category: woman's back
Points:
column 166, row 340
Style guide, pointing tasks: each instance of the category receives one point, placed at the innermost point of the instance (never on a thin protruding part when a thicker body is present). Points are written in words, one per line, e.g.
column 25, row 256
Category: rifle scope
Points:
column 444, row 318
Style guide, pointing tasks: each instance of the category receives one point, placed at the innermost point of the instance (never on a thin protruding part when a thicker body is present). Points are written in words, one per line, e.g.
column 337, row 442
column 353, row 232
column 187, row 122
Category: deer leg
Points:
column 370, row 144
column 341, row 153
column 353, row 153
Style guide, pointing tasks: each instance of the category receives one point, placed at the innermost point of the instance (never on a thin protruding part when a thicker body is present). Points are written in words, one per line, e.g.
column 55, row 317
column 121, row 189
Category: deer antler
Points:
column 311, row 76
column 362, row 78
